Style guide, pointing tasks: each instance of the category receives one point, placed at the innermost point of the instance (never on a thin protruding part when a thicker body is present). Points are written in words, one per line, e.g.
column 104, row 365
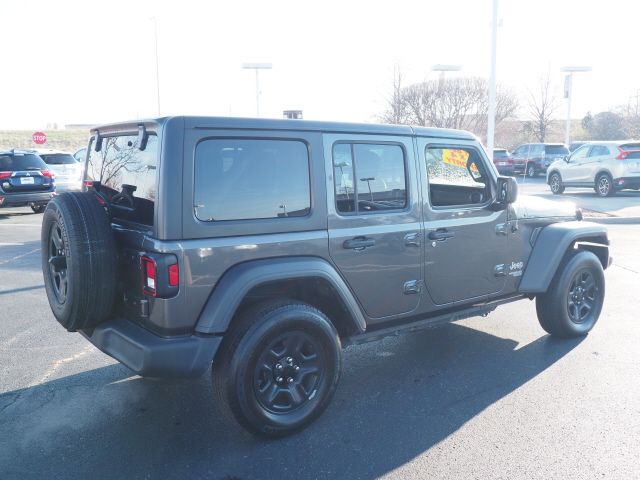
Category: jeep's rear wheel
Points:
column 277, row 368
column 78, row 260
column 572, row 304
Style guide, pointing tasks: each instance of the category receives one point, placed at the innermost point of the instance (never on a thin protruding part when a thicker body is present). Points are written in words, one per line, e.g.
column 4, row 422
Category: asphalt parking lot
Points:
column 482, row 398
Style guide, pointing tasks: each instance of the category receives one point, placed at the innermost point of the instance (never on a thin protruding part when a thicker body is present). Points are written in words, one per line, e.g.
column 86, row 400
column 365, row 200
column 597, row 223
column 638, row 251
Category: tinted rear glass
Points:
column 556, row 150
column 630, row 146
column 238, row 179
column 59, row 159
column 633, row 155
column 12, row 163
column 500, row 154
column 120, row 162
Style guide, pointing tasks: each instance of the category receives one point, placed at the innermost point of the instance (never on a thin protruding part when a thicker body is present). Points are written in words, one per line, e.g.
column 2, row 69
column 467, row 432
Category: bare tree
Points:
column 450, row 103
column 541, row 106
column 396, row 106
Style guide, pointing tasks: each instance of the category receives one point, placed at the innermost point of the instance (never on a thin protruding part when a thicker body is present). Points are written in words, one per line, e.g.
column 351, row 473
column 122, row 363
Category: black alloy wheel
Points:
column 277, row 367
column 583, row 296
column 572, row 304
column 288, row 372
column 58, row 264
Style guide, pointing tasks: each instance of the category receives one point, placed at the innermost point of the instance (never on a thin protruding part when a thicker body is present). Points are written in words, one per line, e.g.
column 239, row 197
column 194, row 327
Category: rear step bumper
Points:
column 153, row 356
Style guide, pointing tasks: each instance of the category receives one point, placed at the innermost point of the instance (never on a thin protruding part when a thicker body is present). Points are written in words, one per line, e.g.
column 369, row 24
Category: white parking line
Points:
column 20, row 225
column 2, row 262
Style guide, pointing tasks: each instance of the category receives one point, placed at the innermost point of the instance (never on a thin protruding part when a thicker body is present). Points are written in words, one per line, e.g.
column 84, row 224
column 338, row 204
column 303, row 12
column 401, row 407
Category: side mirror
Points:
column 507, row 190
column 566, row 158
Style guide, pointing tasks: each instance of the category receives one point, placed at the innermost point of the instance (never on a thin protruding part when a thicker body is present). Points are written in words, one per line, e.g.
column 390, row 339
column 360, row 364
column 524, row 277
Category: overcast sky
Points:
column 94, row 62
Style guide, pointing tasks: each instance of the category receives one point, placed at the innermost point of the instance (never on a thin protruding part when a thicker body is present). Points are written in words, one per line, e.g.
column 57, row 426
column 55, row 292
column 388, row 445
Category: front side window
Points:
column 456, row 176
column 127, row 175
column 379, row 171
column 241, row 179
column 580, row 153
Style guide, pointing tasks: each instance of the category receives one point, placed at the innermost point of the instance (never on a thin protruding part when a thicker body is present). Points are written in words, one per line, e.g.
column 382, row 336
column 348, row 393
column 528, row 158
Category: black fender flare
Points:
column 552, row 244
column 240, row 279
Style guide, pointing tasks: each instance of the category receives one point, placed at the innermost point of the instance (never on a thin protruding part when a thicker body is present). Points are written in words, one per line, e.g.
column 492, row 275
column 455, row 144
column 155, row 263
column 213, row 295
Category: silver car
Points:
column 67, row 170
column 606, row 167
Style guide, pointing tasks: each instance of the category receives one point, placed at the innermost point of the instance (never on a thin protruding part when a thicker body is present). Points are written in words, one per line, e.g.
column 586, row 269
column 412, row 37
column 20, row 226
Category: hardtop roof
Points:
column 229, row 123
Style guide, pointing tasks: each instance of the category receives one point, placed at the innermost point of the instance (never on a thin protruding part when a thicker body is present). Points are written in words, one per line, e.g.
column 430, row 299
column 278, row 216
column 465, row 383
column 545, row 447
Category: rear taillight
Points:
column 88, row 183
column 48, row 173
column 149, row 275
column 160, row 275
column 622, row 154
column 174, row 275
column 5, row 174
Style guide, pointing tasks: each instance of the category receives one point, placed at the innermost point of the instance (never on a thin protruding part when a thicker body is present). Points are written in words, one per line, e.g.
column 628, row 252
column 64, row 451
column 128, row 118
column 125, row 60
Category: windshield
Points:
column 59, row 159
column 19, row 161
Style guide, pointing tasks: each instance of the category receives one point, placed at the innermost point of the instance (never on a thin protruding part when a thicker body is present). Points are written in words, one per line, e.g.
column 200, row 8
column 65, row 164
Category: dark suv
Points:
column 263, row 247
column 25, row 180
column 533, row 159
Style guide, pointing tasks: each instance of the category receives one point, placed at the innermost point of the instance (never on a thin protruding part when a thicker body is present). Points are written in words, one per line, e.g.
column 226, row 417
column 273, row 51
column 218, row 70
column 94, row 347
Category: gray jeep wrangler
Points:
column 263, row 247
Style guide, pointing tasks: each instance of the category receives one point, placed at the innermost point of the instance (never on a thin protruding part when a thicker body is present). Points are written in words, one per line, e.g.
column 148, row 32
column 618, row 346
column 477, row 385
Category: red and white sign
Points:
column 39, row 138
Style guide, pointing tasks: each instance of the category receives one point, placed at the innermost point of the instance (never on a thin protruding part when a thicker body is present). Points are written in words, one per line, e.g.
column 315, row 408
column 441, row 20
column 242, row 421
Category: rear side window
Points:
column 120, row 166
column 242, row 179
column 59, row 159
column 598, row 150
column 630, row 147
column 556, row 150
column 379, row 174
column 18, row 162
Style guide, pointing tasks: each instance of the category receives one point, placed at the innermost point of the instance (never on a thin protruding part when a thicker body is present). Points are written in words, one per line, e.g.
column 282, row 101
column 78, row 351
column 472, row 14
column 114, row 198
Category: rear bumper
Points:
column 150, row 355
column 627, row 182
column 22, row 199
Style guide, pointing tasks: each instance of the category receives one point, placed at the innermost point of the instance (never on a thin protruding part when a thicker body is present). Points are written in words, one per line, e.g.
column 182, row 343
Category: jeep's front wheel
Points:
column 572, row 304
column 277, row 368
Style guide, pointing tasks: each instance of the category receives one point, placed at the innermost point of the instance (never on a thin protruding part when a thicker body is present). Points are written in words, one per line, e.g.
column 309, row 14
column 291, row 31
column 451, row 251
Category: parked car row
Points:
column 606, row 167
column 33, row 177
column 530, row 159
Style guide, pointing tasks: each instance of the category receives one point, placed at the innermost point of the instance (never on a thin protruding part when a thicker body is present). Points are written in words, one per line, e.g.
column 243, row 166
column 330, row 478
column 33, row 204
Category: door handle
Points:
column 440, row 234
column 359, row 243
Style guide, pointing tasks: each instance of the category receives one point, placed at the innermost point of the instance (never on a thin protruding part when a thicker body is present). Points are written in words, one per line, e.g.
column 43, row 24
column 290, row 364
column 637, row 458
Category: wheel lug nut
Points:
column 279, row 379
column 296, row 368
column 290, row 380
column 278, row 366
column 289, row 360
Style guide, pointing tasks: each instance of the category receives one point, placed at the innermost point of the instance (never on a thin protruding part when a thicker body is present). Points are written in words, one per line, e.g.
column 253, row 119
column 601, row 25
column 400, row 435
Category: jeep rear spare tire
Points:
column 78, row 260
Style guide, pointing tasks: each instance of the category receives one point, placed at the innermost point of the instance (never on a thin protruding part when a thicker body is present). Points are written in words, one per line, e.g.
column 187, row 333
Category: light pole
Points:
column 568, row 81
column 257, row 67
column 491, row 113
column 444, row 68
column 155, row 34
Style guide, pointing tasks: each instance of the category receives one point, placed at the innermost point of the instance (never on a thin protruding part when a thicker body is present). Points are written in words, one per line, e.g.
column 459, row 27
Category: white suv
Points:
column 68, row 171
column 604, row 166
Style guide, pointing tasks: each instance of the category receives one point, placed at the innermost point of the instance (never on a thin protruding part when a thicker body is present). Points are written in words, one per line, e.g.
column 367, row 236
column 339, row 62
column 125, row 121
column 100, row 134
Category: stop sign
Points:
column 39, row 138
